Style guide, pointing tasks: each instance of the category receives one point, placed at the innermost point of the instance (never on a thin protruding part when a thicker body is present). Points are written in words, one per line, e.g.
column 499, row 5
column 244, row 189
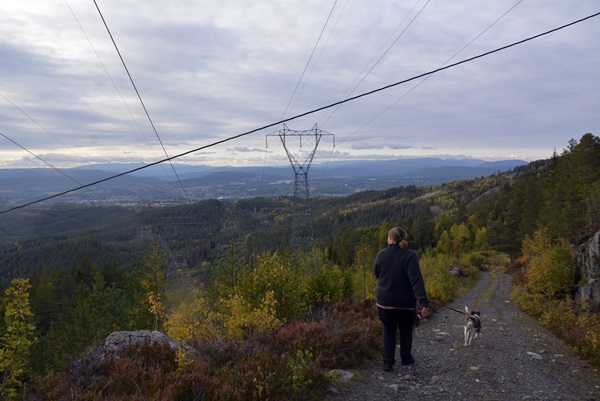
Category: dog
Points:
column 472, row 326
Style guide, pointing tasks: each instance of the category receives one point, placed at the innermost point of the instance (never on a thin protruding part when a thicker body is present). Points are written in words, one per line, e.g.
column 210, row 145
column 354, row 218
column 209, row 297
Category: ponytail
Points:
column 399, row 236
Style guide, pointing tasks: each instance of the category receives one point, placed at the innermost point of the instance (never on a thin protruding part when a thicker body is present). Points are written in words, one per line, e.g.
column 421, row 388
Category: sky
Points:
column 210, row 74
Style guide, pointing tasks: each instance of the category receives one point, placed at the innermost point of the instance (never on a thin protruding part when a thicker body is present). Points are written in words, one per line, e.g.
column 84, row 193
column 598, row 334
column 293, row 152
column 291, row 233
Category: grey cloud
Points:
column 207, row 74
column 247, row 149
column 388, row 145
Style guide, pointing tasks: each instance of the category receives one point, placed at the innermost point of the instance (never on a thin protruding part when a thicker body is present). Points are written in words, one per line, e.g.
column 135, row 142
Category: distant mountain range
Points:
column 158, row 183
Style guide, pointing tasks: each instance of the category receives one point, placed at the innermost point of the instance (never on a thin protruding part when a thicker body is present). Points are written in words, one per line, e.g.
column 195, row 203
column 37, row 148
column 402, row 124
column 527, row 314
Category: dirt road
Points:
column 514, row 359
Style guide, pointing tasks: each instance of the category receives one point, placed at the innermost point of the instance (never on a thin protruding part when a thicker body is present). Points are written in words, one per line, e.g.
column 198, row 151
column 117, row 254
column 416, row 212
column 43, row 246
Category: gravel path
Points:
column 513, row 359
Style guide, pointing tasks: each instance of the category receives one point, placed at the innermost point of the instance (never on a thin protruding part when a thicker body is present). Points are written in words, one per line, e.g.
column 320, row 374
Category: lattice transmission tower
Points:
column 179, row 233
column 301, row 159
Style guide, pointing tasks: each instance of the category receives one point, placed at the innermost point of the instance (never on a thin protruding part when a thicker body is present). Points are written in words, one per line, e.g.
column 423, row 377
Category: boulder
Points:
column 121, row 339
column 85, row 369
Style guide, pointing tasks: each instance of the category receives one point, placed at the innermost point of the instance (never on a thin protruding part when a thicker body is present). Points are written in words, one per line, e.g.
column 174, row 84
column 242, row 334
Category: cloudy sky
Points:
column 212, row 71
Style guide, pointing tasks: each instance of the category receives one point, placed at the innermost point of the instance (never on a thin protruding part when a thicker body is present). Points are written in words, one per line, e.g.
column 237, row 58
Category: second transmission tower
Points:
column 302, row 231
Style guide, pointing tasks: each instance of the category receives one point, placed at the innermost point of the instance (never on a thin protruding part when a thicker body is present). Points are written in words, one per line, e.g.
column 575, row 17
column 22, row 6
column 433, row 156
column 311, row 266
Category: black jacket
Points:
column 399, row 279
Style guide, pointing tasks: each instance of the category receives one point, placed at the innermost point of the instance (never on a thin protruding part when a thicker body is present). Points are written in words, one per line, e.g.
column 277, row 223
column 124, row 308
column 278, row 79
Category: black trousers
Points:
column 395, row 320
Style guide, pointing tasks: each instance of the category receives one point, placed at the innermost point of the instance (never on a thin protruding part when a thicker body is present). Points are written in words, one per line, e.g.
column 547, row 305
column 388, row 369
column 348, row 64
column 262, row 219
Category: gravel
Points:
column 514, row 358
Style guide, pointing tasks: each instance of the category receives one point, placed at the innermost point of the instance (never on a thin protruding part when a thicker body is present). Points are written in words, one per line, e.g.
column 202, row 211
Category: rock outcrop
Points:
column 87, row 367
column 588, row 272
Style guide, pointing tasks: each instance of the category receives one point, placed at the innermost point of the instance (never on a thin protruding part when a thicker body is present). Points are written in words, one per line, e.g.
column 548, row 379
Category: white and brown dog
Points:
column 472, row 326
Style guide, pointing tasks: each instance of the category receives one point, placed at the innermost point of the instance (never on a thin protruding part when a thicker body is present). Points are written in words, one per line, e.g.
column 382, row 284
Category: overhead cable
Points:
column 48, row 132
column 383, row 88
column 310, row 58
column 112, row 81
column 140, row 98
column 380, row 57
column 351, row 91
column 50, row 165
column 108, row 74
column 429, row 76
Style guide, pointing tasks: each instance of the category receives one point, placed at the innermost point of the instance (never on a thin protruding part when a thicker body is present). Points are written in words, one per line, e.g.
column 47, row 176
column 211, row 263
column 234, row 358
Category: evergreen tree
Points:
column 363, row 267
column 17, row 339
column 571, row 188
column 227, row 274
column 154, row 282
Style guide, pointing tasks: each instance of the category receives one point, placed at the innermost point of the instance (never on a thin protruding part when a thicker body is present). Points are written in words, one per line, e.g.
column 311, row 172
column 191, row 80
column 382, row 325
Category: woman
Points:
column 399, row 286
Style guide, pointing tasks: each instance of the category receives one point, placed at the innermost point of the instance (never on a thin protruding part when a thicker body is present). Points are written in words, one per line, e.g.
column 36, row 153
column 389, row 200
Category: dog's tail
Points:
column 467, row 310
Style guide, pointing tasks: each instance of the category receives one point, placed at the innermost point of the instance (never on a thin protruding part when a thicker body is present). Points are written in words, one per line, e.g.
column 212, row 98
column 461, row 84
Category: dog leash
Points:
column 447, row 307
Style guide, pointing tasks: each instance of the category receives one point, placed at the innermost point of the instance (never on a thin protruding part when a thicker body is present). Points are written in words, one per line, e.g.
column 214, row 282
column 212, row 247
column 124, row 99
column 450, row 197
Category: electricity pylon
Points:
column 302, row 231
column 178, row 236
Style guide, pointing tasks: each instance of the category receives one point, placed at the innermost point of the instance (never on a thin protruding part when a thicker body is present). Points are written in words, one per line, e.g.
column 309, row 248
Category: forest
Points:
column 267, row 320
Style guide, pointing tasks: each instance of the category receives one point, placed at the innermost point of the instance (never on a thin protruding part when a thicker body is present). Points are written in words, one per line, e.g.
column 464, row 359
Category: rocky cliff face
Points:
column 588, row 272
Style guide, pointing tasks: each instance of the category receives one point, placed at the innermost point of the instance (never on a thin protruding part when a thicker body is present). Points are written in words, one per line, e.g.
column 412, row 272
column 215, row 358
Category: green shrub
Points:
column 475, row 260
column 326, row 286
column 549, row 267
column 285, row 277
column 439, row 281
column 300, row 364
column 364, row 283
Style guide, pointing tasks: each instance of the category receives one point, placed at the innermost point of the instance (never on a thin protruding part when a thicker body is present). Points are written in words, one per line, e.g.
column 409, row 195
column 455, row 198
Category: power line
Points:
column 310, row 58
column 140, row 98
column 45, row 130
column 322, row 49
column 112, row 81
column 108, row 74
column 48, row 164
column 380, row 57
column 349, row 90
column 383, row 88
column 429, row 76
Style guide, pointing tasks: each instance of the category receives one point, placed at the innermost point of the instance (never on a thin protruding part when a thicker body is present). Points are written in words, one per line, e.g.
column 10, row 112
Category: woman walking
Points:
column 399, row 285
